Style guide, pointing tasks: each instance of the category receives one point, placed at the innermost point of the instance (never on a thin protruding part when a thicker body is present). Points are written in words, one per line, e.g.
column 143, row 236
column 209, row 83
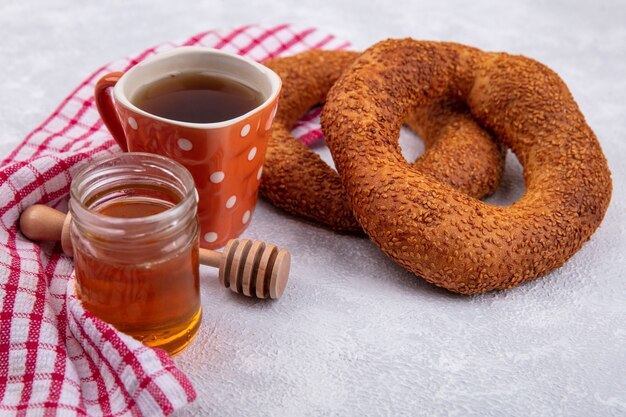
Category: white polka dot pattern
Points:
column 217, row 177
column 185, row 144
column 210, row 237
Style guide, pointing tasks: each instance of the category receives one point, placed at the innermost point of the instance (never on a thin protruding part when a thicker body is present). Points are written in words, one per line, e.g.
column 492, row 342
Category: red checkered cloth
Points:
column 55, row 357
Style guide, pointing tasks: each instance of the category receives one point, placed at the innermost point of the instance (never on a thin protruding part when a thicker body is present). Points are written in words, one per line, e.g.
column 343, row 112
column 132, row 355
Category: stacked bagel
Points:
column 468, row 106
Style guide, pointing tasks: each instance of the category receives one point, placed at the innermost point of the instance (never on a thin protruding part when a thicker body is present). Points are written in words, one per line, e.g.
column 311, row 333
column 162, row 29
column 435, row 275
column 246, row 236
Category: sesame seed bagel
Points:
column 449, row 238
column 458, row 151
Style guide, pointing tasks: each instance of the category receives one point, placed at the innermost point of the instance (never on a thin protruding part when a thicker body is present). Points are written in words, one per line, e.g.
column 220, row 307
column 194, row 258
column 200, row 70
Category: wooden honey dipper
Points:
column 250, row 267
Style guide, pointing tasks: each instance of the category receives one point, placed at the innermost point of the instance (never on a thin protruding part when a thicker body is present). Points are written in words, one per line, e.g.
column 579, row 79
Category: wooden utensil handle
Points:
column 42, row 223
column 210, row 257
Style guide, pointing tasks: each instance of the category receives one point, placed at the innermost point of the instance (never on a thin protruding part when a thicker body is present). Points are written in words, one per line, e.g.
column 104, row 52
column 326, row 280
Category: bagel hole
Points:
column 411, row 144
column 309, row 131
column 512, row 185
column 322, row 150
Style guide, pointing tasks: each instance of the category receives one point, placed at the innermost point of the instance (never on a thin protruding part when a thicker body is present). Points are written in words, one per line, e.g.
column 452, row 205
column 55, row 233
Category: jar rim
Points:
column 137, row 161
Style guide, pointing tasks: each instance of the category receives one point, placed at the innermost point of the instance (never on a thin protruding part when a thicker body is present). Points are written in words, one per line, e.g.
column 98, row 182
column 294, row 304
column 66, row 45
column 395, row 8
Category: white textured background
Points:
column 354, row 333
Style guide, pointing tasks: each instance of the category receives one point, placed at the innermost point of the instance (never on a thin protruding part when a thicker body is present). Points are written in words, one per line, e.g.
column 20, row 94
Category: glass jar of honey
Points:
column 135, row 237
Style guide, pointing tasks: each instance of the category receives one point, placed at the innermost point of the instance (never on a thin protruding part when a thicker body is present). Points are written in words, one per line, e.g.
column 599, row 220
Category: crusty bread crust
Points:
column 449, row 238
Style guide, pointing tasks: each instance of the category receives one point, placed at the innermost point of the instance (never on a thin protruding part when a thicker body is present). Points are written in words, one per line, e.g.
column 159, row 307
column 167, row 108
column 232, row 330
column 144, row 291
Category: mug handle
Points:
column 106, row 107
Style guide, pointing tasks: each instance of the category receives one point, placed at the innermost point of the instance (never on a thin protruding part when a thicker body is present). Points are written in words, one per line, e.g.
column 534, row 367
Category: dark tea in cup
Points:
column 197, row 97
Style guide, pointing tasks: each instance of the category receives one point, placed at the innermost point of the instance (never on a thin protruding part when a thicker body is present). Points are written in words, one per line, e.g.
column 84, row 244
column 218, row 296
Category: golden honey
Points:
column 135, row 238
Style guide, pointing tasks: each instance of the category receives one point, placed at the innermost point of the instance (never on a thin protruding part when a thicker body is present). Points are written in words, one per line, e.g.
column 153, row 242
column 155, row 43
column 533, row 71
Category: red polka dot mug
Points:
column 225, row 158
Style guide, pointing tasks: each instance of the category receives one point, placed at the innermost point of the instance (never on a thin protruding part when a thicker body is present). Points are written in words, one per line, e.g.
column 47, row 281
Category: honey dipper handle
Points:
column 41, row 223
column 210, row 257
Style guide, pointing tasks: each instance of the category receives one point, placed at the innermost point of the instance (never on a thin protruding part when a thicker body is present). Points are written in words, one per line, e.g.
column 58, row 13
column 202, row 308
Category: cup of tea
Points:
column 207, row 109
